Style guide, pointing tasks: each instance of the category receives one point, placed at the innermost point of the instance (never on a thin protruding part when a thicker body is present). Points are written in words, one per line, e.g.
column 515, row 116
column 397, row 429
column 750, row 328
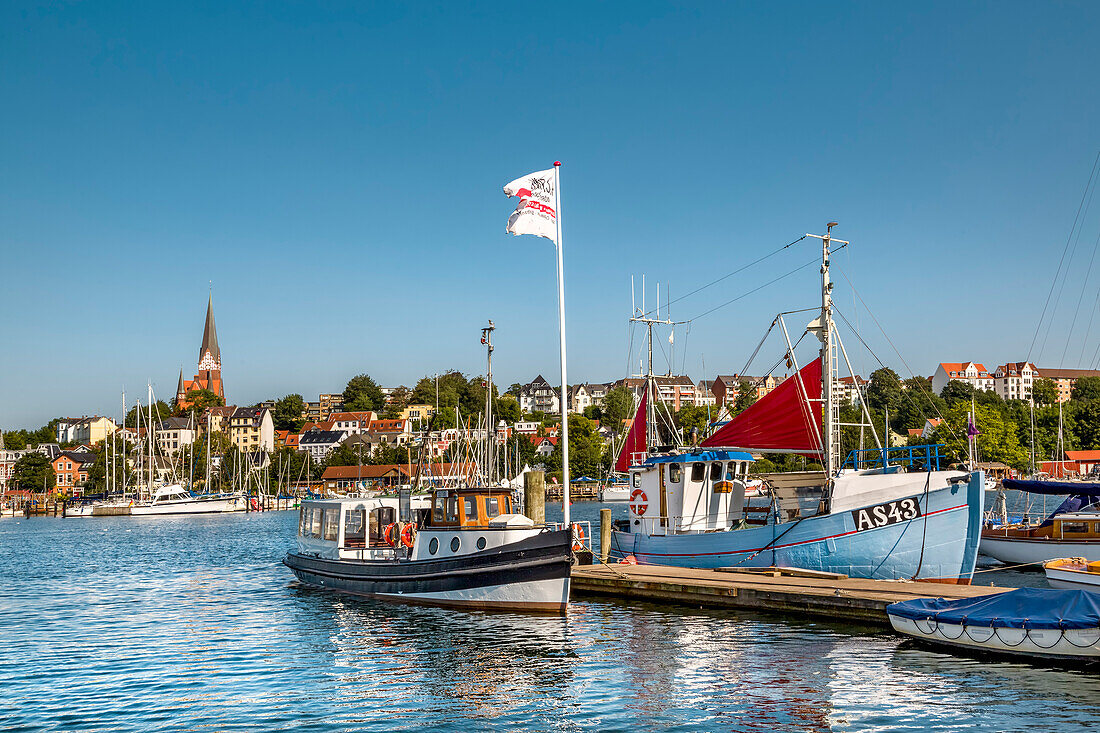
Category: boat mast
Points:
column 831, row 412
column 149, row 431
column 490, row 433
column 641, row 316
column 206, row 482
column 125, row 452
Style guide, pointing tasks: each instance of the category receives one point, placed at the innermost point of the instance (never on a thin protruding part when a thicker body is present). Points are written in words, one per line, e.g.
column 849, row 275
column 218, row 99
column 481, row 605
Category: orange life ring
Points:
column 389, row 535
column 408, row 535
column 578, row 538
column 639, row 502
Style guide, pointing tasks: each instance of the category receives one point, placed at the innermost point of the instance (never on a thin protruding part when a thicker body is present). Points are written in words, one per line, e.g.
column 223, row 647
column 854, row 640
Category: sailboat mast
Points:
column 149, row 431
column 125, row 452
column 490, row 433
column 831, row 408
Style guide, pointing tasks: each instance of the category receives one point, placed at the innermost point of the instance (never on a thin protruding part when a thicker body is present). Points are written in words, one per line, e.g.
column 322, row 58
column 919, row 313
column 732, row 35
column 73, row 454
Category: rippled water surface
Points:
column 193, row 624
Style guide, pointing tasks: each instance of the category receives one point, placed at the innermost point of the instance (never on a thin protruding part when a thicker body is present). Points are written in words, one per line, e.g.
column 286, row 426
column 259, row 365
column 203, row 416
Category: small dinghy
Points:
column 1073, row 572
column 1027, row 623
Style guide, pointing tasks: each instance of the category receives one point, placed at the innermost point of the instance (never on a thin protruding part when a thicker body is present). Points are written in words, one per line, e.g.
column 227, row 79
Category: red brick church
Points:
column 210, row 363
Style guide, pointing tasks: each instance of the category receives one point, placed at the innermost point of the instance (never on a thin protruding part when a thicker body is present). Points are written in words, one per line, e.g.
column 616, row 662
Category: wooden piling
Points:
column 605, row 534
column 534, row 496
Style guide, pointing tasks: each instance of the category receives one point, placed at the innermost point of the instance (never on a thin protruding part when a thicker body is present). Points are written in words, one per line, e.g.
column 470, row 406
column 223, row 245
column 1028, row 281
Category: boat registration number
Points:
column 882, row 515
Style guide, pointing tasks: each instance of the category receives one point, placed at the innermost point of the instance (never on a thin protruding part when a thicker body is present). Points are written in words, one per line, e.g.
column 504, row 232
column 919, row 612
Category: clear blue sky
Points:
column 336, row 171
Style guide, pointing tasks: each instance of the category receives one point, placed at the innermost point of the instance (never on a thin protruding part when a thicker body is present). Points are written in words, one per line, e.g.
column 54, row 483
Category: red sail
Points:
column 780, row 420
column 635, row 439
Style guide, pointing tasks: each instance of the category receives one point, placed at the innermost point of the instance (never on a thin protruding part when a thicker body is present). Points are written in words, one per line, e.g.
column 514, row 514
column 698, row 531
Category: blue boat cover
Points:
column 1024, row 608
column 1080, row 488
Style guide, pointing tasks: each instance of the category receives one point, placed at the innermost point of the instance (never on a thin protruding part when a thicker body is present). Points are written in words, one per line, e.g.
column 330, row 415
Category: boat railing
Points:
column 582, row 534
column 914, row 457
column 657, row 525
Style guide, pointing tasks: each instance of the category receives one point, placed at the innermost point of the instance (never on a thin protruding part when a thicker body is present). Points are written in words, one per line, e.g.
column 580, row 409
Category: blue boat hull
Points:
column 941, row 544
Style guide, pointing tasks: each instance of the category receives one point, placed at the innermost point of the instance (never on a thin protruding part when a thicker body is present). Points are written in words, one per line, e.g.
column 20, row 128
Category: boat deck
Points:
column 796, row 592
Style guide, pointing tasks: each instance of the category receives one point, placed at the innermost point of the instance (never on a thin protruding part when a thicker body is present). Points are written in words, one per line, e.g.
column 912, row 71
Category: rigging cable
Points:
column 730, row 274
column 757, row 289
column 1046, row 304
column 1084, row 284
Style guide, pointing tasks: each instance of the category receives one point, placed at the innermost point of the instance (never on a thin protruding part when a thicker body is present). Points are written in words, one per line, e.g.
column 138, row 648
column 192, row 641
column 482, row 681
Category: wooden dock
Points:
column 804, row 594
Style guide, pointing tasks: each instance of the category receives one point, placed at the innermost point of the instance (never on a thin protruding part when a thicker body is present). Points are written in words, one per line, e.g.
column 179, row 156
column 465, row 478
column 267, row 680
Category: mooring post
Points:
column 534, row 496
column 605, row 534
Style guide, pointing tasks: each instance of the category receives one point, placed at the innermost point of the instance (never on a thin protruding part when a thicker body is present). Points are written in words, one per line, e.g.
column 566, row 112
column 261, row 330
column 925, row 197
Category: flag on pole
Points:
column 971, row 429
column 535, row 213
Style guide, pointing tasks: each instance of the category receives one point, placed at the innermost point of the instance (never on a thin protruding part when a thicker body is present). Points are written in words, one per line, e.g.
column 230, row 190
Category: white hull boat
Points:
column 174, row 499
column 79, row 510
column 1060, row 626
column 1021, row 551
column 1073, row 572
column 616, row 493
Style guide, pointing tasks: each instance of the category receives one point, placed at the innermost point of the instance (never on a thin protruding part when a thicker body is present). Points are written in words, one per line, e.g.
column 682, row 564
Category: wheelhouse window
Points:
column 636, row 480
column 452, row 509
column 354, row 528
column 303, row 521
column 675, row 473
column 698, row 472
column 332, row 524
column 1075, row 527
column 492, row 507
column 716, row 471
column 469, row 507
column 315, row 528
column 380, row 517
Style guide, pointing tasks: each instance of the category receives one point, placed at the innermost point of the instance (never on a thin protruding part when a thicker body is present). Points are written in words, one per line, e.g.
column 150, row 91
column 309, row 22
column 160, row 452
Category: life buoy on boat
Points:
column 408, row 535
column 639, row 502
column 391, row 534
column 578, row 538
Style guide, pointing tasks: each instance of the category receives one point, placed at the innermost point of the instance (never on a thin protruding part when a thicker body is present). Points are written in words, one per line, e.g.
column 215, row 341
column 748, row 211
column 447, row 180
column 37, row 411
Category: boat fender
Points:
column 578, row 538
column 629, row 560
column 639, row 502
column 408, row 535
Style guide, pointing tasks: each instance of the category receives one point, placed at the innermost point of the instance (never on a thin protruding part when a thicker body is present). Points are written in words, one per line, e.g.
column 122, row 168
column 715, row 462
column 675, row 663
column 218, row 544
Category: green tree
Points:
column 1044, row 391
column 15, row 439
column 514, row 389
column 998, row 440
column 1085, row 389
column 884, row 390
column 33, row 472
column 918, row 403
column 363, row 393
column 618, row 405
column 957, row 391
column 161, row 411
column 585, row 449
column 507, row 409
column 287, row 414
column 198, row 400
column 689, row 417
column 746, row 396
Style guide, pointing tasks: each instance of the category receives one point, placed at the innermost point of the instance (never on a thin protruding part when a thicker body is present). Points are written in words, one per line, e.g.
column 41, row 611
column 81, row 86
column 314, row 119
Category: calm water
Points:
column 193, row 624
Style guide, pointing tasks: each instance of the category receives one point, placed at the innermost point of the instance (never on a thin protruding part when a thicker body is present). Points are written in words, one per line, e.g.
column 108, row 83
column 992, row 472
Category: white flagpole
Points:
column 561, row 330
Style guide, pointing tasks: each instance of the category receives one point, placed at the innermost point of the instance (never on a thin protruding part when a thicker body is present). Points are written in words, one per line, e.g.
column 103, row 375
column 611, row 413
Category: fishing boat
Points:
column 1071, row 530
column 463, row 546
column 1060, row 626
column 885, row 513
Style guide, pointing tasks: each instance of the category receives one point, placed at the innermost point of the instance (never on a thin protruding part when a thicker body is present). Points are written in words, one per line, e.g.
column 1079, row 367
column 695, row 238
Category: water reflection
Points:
column 179, row 624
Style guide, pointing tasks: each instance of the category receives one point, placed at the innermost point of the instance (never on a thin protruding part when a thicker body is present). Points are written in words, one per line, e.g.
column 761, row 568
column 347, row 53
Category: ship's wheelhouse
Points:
column 691, row 492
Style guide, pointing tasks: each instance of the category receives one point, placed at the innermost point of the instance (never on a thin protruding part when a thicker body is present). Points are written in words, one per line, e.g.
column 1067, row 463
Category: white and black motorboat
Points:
column 458, row 547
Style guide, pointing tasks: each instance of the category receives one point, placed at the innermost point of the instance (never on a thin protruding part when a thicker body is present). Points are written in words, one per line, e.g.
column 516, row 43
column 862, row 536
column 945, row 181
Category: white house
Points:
column 539, row 396
column 1013, row 380
column 973, row 373
column 175, row 433
column 319, row 443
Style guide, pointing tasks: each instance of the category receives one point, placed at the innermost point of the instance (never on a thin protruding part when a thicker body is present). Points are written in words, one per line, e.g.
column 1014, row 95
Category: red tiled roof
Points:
column 1083, row 455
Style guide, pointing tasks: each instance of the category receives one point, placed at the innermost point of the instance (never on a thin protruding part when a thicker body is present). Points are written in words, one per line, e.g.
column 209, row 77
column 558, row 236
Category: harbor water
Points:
column 193, row 623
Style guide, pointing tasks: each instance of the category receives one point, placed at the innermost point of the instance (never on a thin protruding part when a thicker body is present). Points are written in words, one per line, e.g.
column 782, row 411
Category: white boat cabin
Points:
column 448, row 522
column 696, row 492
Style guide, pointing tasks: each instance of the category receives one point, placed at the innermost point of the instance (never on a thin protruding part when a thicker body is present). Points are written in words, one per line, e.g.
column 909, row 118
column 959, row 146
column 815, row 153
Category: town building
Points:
column 173, row 434
column 323, row 408
column 539, row 396
column 88, row 430
column 352, row 423
column 704, row 394
column 544, row 444
column 319, row 443
column 674, row 391
column 217, row 418
column 583, row 396
column 71, row 469
column 1064, row 379
column 420, row 415
column 252, row 429
column 725, row 386
column 209, row 375
column 848, row 389
column 1012, row 381
column 394, row 431
column 973, row 373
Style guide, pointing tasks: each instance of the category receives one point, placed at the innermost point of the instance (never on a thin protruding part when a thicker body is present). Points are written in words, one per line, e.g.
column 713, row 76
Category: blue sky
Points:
column 336, row 171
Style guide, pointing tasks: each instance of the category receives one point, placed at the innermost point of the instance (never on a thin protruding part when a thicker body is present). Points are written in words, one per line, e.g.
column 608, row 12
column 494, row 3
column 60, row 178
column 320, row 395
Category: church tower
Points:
column 210, row 362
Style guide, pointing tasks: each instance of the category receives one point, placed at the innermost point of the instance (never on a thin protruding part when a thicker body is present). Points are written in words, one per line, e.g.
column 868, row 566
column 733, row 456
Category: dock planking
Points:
column 822, row 595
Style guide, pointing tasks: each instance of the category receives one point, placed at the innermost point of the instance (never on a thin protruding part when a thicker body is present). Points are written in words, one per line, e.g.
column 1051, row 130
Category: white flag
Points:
column 535, row 213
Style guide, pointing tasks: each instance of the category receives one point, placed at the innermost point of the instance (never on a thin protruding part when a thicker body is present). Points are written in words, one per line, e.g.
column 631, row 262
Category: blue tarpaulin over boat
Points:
column 1024, row 608
column 1081, row 488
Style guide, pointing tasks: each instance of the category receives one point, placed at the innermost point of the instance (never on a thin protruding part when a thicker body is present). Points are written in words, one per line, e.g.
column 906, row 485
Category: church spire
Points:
column 210, row 356
column 179, row 389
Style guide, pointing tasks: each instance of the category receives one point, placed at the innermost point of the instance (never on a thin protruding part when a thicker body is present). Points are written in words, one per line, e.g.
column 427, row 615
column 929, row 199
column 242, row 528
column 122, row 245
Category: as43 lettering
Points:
column 881, row 515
